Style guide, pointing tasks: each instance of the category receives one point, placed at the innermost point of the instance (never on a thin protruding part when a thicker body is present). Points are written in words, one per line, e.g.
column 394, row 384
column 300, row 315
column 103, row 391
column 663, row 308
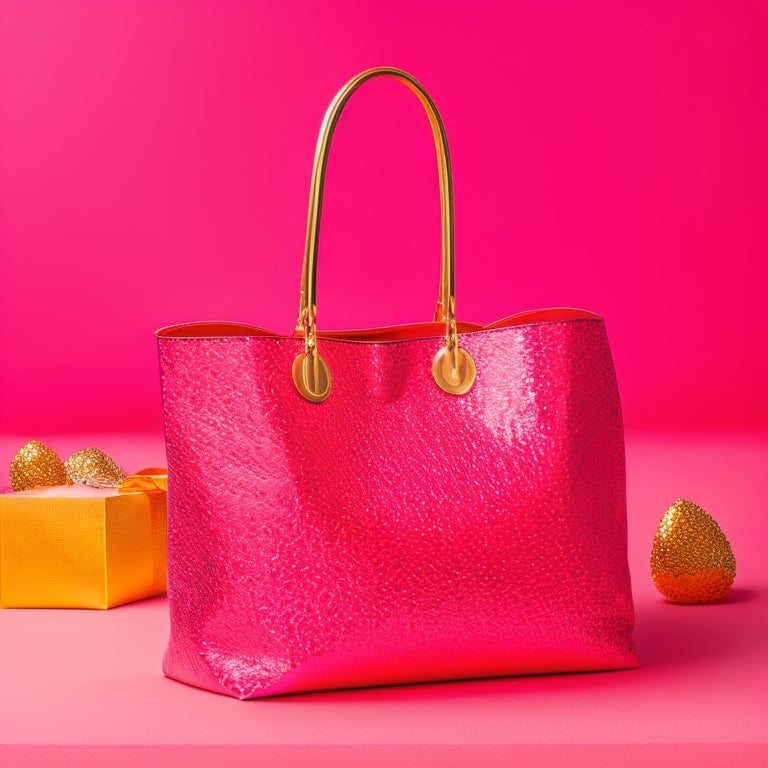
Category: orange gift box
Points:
column 74, row 546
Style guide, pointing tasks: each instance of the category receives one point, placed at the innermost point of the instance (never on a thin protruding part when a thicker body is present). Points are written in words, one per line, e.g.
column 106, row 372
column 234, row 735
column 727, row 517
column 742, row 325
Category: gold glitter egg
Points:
column 36, row 465
column 92, row 467
column 691, row 560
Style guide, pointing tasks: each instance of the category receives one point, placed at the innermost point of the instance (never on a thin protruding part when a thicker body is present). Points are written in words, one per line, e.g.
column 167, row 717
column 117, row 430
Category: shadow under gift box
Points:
column 81, row 547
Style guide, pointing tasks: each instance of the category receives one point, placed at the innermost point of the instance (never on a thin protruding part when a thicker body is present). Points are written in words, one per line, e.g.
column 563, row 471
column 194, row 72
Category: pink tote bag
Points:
column 428, row 502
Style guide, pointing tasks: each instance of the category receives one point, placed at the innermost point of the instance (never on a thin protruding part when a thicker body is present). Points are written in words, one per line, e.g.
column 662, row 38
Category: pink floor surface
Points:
column 84, row 688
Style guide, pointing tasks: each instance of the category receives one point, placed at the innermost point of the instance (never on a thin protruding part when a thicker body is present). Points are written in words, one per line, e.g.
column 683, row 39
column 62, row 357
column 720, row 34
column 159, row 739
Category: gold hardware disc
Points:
column 454, row 370
column 311, row 377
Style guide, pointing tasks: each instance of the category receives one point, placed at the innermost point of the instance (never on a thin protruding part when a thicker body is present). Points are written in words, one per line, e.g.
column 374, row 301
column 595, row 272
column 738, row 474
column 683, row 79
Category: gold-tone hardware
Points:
column 311, row 376
column 445, row 311
column 454, row 370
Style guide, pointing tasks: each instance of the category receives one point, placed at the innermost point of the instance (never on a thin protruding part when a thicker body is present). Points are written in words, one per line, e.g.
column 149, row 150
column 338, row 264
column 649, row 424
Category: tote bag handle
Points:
column 452, row 367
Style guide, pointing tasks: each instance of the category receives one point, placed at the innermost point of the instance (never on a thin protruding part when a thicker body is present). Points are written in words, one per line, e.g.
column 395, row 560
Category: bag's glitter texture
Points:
column 394, row 532
column 691, row 560
column 36, row 465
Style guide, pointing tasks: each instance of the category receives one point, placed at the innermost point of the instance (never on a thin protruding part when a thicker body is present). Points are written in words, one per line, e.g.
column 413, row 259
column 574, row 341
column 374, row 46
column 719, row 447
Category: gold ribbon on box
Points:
column 36, row 465
column 147, row 480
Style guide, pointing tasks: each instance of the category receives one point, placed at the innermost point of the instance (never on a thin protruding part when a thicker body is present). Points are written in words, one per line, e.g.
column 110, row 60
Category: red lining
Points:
column 391, row 333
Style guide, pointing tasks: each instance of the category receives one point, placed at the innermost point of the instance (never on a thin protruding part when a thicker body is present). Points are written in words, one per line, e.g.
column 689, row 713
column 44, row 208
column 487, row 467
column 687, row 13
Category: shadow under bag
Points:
column 433, row 501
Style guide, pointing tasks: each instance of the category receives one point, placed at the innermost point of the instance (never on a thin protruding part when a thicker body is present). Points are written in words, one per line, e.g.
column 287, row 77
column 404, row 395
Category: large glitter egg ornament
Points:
column 36, row 465
column 691, row 560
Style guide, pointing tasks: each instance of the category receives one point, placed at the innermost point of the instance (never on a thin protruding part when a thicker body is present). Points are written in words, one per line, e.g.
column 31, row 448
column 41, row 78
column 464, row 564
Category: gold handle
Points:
column 452, row 368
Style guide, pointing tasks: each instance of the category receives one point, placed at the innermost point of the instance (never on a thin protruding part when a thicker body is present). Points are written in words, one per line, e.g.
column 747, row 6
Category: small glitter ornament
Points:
column 92, row 467
column 37, row 465
column 691, row 560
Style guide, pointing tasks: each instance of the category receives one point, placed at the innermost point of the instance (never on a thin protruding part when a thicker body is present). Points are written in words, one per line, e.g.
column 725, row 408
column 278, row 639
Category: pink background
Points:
column 154, row 166
column 155, row 160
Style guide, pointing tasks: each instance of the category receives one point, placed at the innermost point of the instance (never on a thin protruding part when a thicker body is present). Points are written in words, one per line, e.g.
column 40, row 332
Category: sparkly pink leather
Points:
column 394, row 532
